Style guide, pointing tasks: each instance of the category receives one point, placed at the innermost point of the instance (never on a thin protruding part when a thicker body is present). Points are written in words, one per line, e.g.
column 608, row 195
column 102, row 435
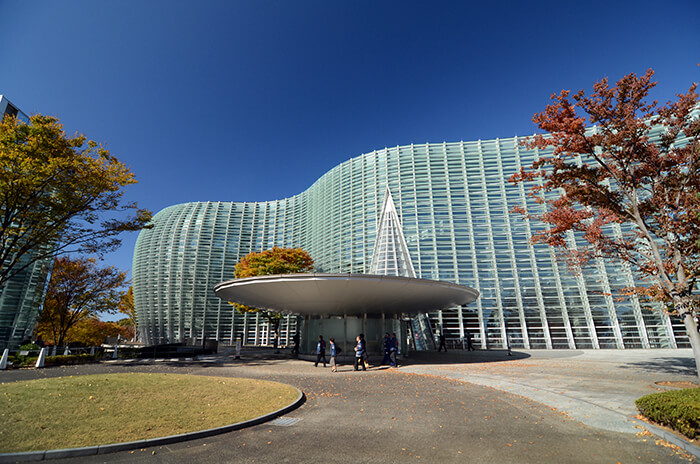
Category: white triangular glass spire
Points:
column 390, row 251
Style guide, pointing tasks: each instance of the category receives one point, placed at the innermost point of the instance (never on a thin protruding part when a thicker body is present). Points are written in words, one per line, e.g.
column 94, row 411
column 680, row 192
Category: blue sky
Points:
column 254, row 101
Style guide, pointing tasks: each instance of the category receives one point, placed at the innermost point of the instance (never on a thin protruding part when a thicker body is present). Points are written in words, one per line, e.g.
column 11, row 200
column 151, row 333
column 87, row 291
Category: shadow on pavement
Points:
column 261, row 357
column 462, row 357
column 675, row 366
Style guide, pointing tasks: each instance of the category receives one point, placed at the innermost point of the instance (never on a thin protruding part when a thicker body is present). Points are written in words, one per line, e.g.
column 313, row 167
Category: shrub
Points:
column 29, row 347
column 679, row 410
column 31, row 351
column 30, row 361
column 23, row 361
column 69, row 359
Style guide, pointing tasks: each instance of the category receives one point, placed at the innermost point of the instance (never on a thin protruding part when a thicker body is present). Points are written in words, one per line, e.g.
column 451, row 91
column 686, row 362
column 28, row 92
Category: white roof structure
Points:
column 391, row 256
column 350, row 294
column 390, row 288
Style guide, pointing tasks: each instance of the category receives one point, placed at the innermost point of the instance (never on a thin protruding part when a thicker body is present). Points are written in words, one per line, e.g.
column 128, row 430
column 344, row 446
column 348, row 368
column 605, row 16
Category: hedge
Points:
column 28, row 361
column 679, row 410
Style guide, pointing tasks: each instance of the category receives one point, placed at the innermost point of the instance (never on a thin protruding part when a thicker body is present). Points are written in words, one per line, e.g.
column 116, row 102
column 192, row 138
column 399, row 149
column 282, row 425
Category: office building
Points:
column 22, row 296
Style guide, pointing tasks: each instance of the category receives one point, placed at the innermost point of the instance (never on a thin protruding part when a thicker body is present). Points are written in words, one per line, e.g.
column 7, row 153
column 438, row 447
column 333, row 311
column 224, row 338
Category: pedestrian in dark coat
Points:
column 320, row 351
column 295, row 347
column 394, row 350
column 442, row 343
column 387, row 349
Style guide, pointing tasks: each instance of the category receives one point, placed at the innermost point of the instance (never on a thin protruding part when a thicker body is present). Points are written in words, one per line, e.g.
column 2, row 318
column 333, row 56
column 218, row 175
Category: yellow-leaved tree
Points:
column 58, row 194
column 128, row 308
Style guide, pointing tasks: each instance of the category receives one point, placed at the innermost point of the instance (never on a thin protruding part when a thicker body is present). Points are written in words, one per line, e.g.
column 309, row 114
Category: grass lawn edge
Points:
column 25, row 456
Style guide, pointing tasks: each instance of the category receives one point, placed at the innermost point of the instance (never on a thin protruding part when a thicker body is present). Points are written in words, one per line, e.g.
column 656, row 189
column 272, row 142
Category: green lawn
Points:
column 90, row 410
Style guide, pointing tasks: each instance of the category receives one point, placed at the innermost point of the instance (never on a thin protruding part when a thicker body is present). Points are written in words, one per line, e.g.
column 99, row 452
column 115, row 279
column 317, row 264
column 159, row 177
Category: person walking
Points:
column 393, row 350
column 359, row 356
column 442, row 343
column 365, row 355
column 387, row 350
column 295, row 347
column 320, row 351
column 335, row 350
column 470, row 347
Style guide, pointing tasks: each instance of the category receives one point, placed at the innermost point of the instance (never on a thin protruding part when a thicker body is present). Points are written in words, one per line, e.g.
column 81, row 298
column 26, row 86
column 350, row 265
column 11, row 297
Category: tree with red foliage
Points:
column 78, row 290
column 616, row 174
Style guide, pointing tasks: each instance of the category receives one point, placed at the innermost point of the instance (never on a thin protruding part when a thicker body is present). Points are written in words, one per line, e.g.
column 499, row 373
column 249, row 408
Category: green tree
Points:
column 270, row 262
column 58, row 194
column 595, row 181
column 78, row 290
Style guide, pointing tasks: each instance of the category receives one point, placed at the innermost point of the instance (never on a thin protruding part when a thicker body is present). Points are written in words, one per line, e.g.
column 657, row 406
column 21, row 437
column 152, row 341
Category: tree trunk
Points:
column 691, row 328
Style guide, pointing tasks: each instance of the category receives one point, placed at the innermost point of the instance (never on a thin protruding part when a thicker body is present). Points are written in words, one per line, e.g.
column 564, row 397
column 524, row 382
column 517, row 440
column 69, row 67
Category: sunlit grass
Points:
column 90, row 410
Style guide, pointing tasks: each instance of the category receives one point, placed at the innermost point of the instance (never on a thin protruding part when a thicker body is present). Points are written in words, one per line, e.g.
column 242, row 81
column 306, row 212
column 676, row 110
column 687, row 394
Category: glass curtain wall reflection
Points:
column 454, row 204
column 21, row 296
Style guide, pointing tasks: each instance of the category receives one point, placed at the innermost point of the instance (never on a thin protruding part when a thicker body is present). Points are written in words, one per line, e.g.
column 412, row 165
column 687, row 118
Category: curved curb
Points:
column 672, row 438
column 129, row 445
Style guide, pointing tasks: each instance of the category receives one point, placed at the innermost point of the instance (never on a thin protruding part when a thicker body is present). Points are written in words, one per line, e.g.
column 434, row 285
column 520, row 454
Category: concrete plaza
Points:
column 483, row 406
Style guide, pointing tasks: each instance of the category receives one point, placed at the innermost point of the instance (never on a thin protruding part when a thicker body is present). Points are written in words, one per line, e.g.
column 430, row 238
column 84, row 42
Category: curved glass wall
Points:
column 454, row 204
column 21, row 301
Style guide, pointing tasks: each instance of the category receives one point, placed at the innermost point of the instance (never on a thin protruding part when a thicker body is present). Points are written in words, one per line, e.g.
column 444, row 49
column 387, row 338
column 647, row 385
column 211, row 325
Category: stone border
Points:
column 114, row 447
column 672, row 438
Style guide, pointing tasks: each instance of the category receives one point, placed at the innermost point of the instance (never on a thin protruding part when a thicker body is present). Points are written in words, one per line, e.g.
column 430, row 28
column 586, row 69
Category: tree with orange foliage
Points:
column 616, row 174
column 78, row 290
column 92, row 332
column 270, row 262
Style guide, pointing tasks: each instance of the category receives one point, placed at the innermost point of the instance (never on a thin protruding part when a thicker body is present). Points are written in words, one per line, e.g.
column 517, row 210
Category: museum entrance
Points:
column 345, row 328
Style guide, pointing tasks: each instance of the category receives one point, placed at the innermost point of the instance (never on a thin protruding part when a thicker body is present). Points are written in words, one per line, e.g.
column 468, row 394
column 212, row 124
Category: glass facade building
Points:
column 22, row 296
column 454, row 204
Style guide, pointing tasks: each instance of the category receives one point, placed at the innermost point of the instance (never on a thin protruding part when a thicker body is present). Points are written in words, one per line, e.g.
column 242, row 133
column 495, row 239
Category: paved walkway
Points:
column 436, row 408
column 596, row 387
